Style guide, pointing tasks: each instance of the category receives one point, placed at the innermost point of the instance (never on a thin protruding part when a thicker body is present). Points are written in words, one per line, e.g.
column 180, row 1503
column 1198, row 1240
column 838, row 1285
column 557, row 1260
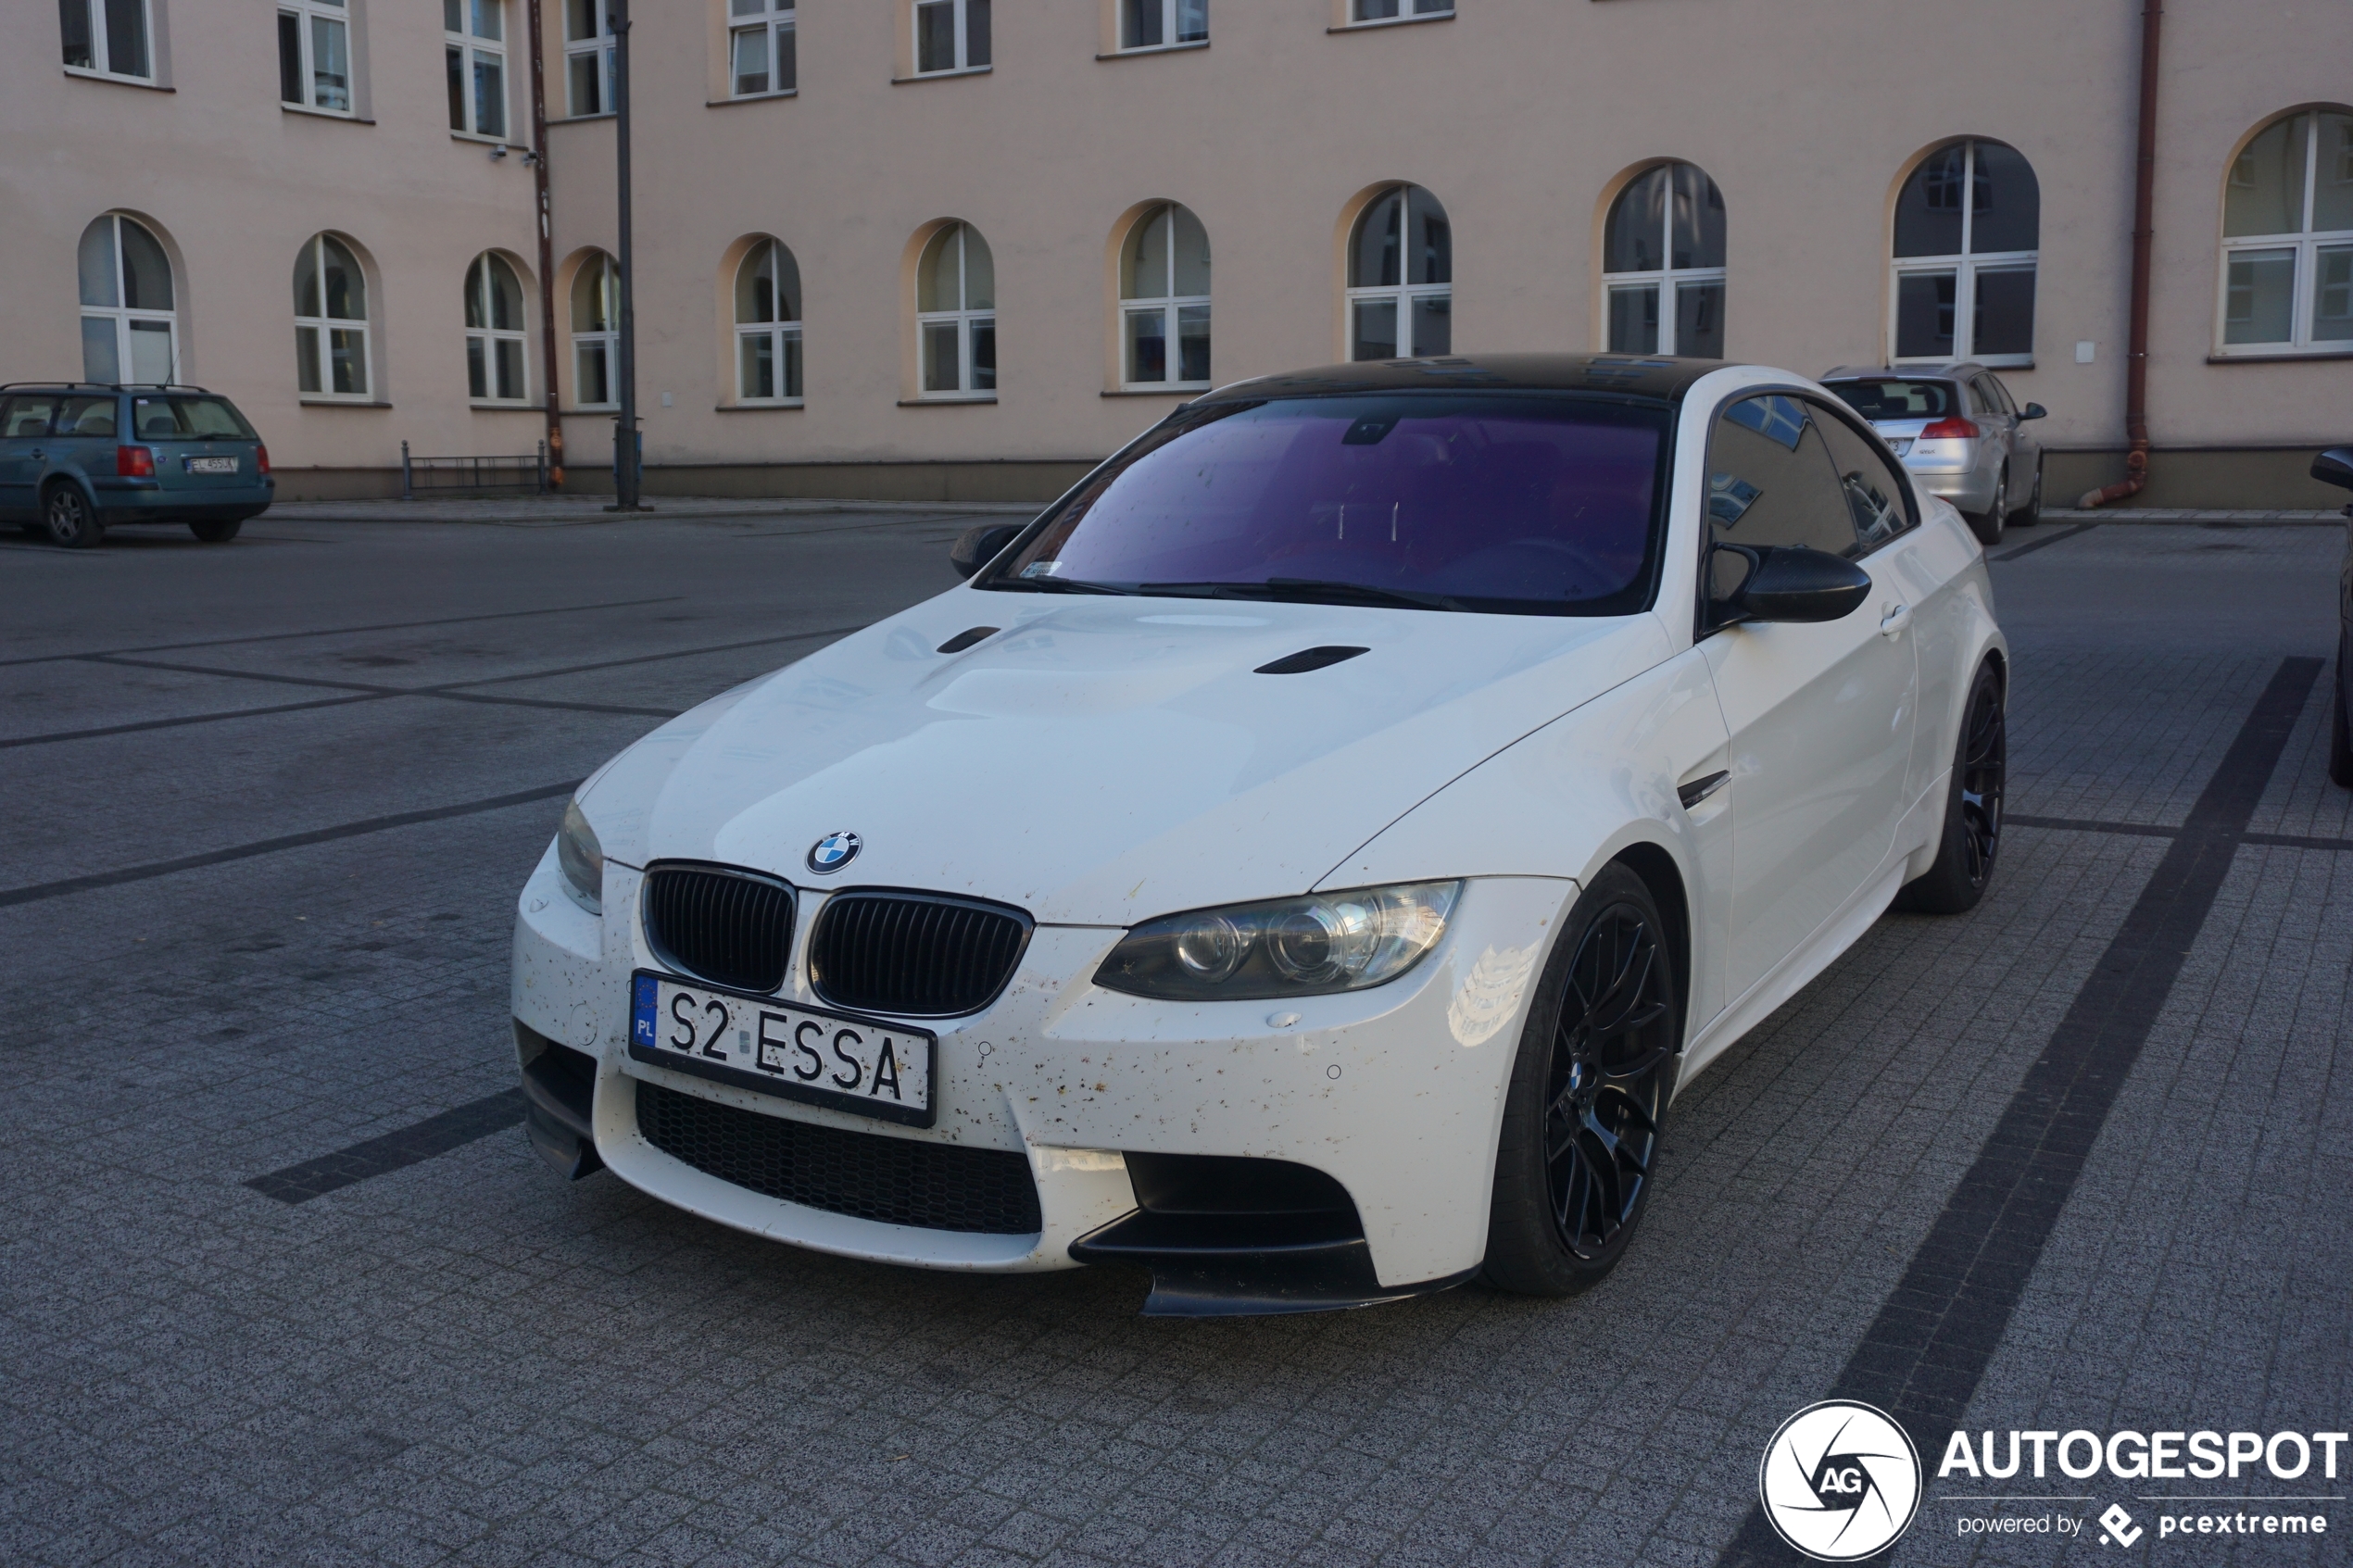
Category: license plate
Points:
column 211, row 465
column 1900, row 445
column 772, row 1048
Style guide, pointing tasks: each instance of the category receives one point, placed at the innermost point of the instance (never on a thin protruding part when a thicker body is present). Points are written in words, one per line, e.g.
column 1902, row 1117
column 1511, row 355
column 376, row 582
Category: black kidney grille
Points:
column 897, row 1181
column 914, row 953
column 730, row 928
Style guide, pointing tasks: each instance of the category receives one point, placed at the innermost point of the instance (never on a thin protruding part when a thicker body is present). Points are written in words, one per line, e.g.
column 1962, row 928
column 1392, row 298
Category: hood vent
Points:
column 729, row 927
column 919, row 954
column 1300, row 663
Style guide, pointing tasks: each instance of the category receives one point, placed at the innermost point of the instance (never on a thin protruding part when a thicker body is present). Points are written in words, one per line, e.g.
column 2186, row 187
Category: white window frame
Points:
column 1166, row 305
column 472, row 49
column 963, row 62
column 310, row 17
column 1173, row 14
column 1405, row 296
column 1965, row 265
column 575, row 49
column 490, row 337
column 122, row 315
column 608, row 339
column 1664, row 279
column 1408, row 11
column 965, row 321
column 2305, row 243
column 326, row 326
column 94, row 18
column 778, row 334
column 776, row 21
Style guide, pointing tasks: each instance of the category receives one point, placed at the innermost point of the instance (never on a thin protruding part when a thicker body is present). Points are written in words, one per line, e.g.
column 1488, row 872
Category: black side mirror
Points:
column 2334, row 466
column 975, row 547
column 1793, row 583
column 2033, row 411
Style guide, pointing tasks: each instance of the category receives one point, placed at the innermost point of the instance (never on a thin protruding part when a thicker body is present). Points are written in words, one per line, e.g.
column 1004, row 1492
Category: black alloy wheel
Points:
column 1581, row 1124
column 73, row 522
column 1972, row 840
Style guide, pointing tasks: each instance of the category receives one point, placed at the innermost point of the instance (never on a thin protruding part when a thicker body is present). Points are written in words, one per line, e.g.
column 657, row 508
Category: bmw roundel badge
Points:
column 834, row 851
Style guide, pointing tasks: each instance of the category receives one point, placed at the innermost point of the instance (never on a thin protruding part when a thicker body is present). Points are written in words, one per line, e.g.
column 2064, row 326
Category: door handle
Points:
column 1892, row 624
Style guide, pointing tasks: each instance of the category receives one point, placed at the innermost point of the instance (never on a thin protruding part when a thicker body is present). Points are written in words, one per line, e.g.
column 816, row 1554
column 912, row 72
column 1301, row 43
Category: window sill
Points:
column 1176, row 389
column 1150, row 49
column 1392, row 21
column 794, row 406
column 2280, row 355
column 310, row 400
column 750, row 98
column 941, row 75
column 948, row 400
column 481, row 405
column 149, row 83
column 582, row 118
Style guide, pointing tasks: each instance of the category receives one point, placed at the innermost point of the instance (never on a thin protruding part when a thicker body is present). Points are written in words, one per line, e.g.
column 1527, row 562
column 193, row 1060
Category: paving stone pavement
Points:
column 468, row 1361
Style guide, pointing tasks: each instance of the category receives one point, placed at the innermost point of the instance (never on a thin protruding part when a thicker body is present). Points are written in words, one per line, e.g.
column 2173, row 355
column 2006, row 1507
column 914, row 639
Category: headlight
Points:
column 1291, row 948
column 582, row 860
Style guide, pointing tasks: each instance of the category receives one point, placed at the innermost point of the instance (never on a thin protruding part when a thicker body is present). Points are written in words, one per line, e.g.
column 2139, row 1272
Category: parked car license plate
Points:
column 1899, row 444
column 759, row 1043
column 211, row 465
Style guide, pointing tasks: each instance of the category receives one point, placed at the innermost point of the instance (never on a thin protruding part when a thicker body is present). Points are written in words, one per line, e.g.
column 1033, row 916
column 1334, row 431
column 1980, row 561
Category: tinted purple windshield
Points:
column 1493, row 501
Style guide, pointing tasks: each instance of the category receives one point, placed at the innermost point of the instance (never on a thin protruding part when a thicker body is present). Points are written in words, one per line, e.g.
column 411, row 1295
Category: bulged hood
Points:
column 1101, row 760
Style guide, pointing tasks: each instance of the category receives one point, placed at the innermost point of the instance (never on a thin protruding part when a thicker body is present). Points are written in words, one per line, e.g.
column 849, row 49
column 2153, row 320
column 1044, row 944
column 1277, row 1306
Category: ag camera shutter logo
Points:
column 1840, row 1481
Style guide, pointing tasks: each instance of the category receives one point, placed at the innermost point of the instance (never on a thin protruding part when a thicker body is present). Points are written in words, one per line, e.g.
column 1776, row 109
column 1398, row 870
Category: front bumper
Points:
column 1395, row 1093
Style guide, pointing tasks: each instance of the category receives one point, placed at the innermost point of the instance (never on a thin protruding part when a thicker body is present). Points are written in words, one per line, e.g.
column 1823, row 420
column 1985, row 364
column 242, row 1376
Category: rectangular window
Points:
column 314, row 54
column 588, row 57
column 760, row 48
column 1633, row 318
column 951, row 35
column 2260, row 297
column 107, row 36
column 475, row 33
column 2332, row 295
column 1399, row 10
column 2002, row 314
column 1926, row 305
column 1156, row 24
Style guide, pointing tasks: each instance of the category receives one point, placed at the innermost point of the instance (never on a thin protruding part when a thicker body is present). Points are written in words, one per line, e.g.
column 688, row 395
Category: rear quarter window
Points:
column 188, row 418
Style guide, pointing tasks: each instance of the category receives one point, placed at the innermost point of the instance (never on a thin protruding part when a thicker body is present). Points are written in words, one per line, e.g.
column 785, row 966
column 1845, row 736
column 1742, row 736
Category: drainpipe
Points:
column 2136, row 362
column 547, row 253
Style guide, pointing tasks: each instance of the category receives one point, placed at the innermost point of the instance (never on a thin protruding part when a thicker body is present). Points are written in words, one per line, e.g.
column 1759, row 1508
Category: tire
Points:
column 1971, row 837
column 216, row 530
column 2030, row 513
column 1987, row 525
column 1591, row 1098
column 2340, row 728
column 71, row 519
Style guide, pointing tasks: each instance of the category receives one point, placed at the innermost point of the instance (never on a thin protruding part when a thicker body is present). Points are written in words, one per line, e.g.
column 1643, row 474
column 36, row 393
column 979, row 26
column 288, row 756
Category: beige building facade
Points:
column 958, row 249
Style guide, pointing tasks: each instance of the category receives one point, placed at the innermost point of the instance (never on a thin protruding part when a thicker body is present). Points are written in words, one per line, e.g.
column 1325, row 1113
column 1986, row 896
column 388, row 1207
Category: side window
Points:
column 26, row 418
column 87, row 417
column 1877, row 499
column 1770, row 482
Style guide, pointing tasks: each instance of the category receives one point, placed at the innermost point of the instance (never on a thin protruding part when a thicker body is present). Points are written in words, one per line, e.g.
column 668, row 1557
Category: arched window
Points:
column 2287, row 237
column 129, row 329
column 330, row 319
column 1663, row 264
column 495, row 342
column 1401, row 277
column 768, row 325
column 1967, row 227
column 1163, row 292
column 595, row 319
column 956, row 314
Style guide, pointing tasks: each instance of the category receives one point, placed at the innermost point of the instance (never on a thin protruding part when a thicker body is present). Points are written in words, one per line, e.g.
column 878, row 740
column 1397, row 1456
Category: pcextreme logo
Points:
column 1839, row 1480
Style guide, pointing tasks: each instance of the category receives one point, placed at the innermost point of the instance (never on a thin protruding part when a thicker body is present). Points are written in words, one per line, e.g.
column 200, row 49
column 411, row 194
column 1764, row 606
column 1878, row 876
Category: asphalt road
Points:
column 2079, row 1159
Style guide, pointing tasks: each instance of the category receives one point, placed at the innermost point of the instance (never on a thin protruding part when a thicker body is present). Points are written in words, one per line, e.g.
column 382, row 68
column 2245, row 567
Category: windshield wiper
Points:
column 1306, row 590
column 1055, row 585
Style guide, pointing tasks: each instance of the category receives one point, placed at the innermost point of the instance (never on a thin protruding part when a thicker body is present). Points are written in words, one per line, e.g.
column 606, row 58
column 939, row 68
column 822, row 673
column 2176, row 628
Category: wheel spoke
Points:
column 1612, row 1077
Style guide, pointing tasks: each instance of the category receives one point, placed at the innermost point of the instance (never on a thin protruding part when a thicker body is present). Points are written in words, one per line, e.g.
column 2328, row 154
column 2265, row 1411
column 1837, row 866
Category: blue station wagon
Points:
column 77, row 458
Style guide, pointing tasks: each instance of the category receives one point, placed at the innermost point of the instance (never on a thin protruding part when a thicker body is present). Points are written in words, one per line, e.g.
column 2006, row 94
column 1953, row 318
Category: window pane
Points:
column 26, row 418
column 100, row 360
column 580, row 20
column 2258, row 299
column 490, row 96
column 1633, row 319
column 756, row 365
column 984, row 333
column 506, row 296
column 1699, row 320
column 1140, row 24
column 476, row 316
column 1147, row 345
column 329, row 69
column 146, row 276
column 584, row 84
column 936, row 35
column 346, row 290
column 937, row 286
column 941, row 363
column 1874, row 492
column 1699, row 219
column 2266, row 191
column 126, row 37
column 2006, row 213
column 290, row 61
column 73, row 18
column 1636, row 226
column 456, row 61
column 306, row 358
column 591, row 384
column 1375, row 11
column 96, row 263
column 2004, row 322
column 347, row 360
column 511, row 383
column 976, row 36
column 1771, row 482
column 790, row 343
column 151, row 351
column 453, row 16
column 747, row 8
column 980, row 272
column 1928, row 214
column 1434, row 324
column 1431, row 259
column 1192, row 342
column 590, row 297
column 751, row 60
column 1147, row 269
column 489, row 20
column 1373, row 259
column 2333, row 176
column 787, row 76
column 1376, row 330
column 477, row 372
column 1433, row 7
column 2332, row 294
column 756, row 285
column 1190, row 243
column 1193, row 21
column 89, row 416
column 1924, row 315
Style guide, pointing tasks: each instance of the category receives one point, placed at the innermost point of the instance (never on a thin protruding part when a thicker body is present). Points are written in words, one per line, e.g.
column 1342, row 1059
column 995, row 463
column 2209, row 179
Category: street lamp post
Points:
column 625, row 448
